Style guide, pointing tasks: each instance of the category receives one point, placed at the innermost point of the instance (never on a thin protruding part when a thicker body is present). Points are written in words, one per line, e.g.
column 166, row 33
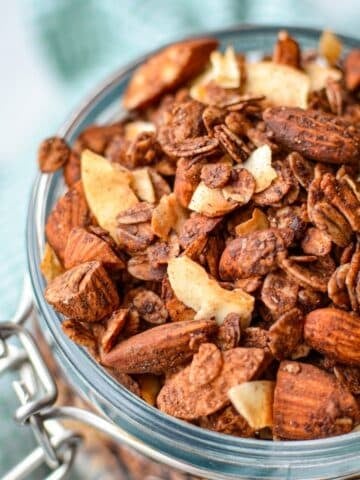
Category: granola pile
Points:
column 207, row 251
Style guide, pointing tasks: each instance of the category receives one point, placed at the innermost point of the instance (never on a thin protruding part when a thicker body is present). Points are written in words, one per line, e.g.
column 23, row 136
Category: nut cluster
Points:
column 207, row 251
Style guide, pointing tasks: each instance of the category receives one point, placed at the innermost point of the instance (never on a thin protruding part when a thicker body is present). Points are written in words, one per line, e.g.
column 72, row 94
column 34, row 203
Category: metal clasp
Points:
column 37, row 392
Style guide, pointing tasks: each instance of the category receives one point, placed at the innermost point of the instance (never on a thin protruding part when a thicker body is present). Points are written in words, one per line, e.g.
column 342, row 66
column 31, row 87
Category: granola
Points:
column 207, row 251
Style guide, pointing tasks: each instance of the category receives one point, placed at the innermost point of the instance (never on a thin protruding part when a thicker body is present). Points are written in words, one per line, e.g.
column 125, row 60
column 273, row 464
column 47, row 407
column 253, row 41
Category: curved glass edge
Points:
column 212, row 452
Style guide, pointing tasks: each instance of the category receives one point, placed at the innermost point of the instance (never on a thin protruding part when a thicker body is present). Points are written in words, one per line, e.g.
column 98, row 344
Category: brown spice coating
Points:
column 84, row 292
column 53, row 154
column 335, row 333
column 183, row 399
column 352, row 70
column 167, row 70
column 159, row 349
column 315, row 135
column 71, row 210
column 216, row 175
column 254, row 254
column 310, row 403
column 83, row 246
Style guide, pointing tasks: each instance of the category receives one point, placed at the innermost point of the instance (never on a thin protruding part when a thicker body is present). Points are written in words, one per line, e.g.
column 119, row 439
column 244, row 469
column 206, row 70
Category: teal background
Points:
column 53, row 52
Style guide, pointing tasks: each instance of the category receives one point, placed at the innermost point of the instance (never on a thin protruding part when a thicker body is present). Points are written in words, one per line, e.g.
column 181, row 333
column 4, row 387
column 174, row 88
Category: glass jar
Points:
column 164, row 438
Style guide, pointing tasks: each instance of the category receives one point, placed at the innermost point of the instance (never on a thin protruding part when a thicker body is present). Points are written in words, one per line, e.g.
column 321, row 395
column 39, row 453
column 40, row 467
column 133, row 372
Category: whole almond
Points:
column 167, row 70
column 335, row 333
column 316, row 135
column 310, row 403
column 85, row 292
column 161, row 348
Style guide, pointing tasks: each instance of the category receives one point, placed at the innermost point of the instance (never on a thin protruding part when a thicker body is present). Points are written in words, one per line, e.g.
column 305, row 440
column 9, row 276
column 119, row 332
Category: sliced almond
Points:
column 193, row 286
column 254, row 401
column 259, row 165
column 107, row 189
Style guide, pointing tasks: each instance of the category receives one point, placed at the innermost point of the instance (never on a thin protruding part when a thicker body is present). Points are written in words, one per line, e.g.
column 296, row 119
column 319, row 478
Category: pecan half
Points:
column 85, row 292
column 231, row 143
column 159, row 349
column 314, row 134
column 53, row 154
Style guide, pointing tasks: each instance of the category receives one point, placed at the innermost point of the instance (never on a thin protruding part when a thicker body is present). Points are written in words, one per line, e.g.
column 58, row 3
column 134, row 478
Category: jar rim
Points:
column 140, row 417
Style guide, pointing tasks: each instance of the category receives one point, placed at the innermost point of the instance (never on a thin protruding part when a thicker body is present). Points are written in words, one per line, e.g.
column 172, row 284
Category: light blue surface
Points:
column 52, row 53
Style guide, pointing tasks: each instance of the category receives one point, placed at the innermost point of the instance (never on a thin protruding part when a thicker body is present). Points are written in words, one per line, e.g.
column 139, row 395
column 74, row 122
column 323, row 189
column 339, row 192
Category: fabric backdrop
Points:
column 52, row 53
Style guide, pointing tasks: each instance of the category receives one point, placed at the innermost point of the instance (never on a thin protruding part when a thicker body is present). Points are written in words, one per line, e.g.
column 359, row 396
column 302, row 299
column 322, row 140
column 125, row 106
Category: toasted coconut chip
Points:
column 210, row 201
column 319, row 75
column 258, row 221
column 107, row 189
column 168, row 215
column 224, row 72
column 330, row 47
column 254, row 401
column 259, row 165
column 281, row 84
column 193, row 286
column 50, row 265
column 142, row 185
column 133, row 129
